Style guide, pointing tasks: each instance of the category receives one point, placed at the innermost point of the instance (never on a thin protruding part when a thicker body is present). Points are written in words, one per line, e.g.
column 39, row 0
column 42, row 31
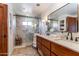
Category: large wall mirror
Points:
column 64, row 19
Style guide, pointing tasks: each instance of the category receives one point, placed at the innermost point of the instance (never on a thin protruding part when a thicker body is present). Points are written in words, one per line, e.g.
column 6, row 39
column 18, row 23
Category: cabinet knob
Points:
column 5, row 36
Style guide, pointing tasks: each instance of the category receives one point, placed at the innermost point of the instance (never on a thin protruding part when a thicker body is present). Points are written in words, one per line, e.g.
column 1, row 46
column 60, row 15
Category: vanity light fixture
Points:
column 43, row 20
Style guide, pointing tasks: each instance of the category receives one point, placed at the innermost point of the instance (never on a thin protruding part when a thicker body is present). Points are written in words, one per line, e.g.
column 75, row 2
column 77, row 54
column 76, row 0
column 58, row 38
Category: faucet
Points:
column 68, row 35
column 71, row 36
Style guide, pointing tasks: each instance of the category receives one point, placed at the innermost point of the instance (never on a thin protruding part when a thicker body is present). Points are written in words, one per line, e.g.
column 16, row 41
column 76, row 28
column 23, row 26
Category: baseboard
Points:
column 10, row 53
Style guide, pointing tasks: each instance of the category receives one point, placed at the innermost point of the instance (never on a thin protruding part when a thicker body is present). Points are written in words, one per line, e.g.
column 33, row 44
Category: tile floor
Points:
column 25, row 51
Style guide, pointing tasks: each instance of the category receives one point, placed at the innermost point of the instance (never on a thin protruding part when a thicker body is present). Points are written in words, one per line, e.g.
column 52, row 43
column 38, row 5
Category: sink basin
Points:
column 56, row 37
column 72, row 41
column 61, row 37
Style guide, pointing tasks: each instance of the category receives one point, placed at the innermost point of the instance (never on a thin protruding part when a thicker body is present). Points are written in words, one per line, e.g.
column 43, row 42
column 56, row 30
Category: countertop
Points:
column 68, row 44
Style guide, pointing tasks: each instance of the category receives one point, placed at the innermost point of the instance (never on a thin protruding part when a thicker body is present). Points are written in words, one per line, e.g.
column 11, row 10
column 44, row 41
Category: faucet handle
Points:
column 76, row 39
column 67, row 38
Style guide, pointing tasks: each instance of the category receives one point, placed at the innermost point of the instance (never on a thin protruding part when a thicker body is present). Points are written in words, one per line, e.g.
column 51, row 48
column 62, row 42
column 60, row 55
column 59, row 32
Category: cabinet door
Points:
column 71, row 24
column 46, row 43
column 3, row 30
column 38, row 42
column 62, row 51
column 52, row 54
column 39, row 39
column 39, row 45
column 45, row 51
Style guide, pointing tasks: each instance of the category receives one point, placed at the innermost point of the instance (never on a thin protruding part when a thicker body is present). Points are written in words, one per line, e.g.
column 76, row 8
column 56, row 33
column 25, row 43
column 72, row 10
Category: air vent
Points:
column 37, row 4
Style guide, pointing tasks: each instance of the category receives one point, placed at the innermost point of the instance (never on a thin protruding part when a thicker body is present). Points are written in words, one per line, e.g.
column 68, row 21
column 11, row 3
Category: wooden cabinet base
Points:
column 40, row 52
column 45, row 51
column 52, row 54
column 49, row 48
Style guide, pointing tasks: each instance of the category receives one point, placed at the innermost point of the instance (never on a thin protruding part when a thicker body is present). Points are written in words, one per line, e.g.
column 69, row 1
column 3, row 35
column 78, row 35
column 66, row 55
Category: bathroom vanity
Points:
column 62, row 20
column 49, row 46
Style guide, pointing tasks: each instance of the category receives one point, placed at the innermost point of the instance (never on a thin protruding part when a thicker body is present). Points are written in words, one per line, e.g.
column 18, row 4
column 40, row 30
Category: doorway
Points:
column 3, row 30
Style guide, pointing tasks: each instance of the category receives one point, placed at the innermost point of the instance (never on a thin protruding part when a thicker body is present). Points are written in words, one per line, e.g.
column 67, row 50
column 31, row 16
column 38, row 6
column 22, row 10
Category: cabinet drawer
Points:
column 39, row 45
column 46, row 43
column 52, row 45
column 45, row 51
column 62, row 51
column 38, row 39
column 56, row 49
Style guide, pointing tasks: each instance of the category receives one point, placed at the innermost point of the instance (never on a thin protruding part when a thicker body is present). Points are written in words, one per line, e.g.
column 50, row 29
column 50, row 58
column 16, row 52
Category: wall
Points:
column 11, row 28
column 78, row 15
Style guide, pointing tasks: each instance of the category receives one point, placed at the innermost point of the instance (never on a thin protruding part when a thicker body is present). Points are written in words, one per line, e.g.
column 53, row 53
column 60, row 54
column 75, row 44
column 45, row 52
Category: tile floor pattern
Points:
column 25, row 51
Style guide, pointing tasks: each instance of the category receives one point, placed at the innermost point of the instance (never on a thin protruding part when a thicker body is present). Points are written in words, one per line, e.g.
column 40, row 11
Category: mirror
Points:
column 64, row 19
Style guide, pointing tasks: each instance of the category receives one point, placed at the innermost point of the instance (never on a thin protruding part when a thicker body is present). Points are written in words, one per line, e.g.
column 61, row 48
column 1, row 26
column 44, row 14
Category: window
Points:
column 27, row 23
column 24, row 23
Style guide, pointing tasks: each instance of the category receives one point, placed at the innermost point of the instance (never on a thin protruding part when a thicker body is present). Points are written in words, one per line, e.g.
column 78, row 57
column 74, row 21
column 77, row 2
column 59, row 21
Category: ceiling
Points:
column 31, row 8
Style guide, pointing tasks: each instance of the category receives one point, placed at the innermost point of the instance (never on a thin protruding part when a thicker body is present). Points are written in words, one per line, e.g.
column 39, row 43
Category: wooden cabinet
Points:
column 38, row 39
column 52, row 54
column 39, row 45
column 38, row 42
column 46, row 52
column 46, row 43
column 62, row 51
column 57, row 49
column 49, row 48
column 71, row 24
column 43, row 45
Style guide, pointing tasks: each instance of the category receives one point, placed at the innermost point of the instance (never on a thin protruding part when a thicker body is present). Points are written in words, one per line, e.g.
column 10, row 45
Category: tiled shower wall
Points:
column 21, row 30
